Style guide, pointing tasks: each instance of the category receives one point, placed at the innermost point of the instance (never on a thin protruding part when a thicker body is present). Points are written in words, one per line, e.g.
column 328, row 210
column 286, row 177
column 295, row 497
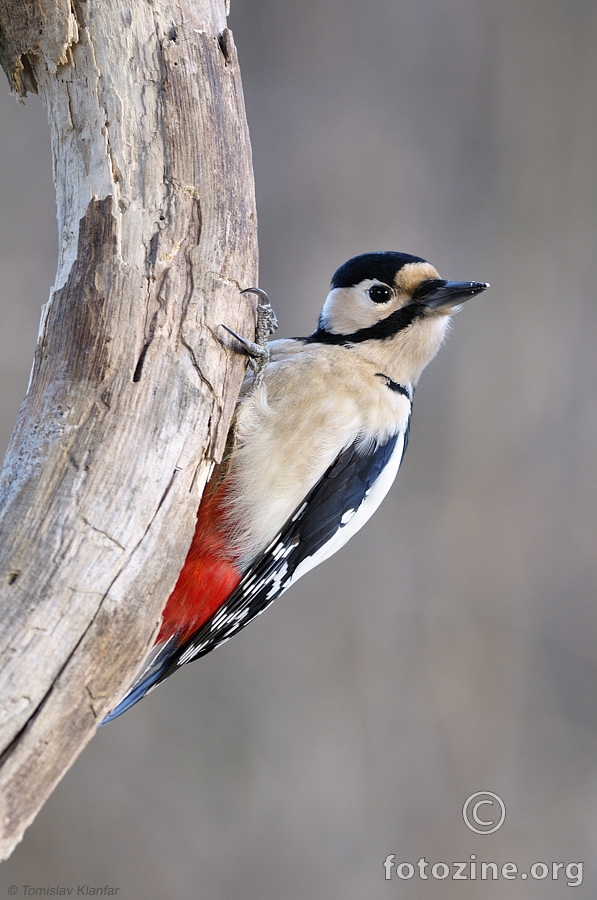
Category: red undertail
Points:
column 208, row 576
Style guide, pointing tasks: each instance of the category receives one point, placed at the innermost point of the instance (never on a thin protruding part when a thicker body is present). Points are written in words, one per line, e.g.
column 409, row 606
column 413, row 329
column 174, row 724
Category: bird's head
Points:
column 392, row 306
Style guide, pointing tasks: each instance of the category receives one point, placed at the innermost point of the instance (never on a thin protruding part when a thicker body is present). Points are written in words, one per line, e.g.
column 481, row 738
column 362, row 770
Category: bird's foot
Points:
column 257, row 350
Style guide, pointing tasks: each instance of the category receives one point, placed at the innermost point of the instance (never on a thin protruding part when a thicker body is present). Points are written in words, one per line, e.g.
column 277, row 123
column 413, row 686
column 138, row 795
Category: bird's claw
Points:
column 267, row 321
column 257, row 350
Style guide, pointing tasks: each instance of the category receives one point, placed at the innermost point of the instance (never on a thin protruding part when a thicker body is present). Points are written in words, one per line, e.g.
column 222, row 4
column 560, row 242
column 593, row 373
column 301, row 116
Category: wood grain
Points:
column 132, row 390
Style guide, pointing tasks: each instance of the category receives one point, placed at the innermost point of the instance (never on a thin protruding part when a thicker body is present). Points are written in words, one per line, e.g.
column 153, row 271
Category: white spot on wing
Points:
column 276, row 587
column 237, row 616
column 220, row 617
column 281, row 550
column 299, row 512
column 189, row 653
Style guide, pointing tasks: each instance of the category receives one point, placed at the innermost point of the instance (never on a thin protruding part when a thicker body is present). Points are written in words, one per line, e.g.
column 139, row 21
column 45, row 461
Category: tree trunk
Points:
column 131, row 391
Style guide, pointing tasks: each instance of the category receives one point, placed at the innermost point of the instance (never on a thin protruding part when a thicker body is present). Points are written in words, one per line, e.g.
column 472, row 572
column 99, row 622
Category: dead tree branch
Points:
column 131, row 391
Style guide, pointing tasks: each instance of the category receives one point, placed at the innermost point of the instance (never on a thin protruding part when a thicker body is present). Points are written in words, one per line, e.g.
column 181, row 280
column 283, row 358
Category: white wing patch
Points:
column 359, row 517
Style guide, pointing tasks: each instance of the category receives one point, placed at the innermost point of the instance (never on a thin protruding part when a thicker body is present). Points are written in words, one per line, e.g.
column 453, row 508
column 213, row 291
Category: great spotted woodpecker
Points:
column 317, row 439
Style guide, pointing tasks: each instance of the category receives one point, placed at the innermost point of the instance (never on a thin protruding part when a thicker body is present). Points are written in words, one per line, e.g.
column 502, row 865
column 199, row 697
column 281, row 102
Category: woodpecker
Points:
column 317, row 439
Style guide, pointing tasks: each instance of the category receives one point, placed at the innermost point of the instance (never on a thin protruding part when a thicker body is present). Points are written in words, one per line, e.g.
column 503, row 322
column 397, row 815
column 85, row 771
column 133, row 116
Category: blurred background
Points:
column 451, row 649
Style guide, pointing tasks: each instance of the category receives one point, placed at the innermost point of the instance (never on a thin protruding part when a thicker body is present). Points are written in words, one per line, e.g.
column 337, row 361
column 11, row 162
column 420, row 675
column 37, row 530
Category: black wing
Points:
column 328, row 508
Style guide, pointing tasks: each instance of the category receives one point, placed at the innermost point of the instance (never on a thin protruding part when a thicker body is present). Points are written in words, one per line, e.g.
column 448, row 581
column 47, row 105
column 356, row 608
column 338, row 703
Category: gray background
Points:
column 451, row 648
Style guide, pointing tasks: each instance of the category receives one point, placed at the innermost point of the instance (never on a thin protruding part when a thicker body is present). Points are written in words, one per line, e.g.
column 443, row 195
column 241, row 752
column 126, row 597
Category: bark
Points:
column 131, row 391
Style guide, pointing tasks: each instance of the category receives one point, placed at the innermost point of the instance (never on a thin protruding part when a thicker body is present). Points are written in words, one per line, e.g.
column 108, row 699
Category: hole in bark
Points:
column 12, row 577
column 28, row 75
column 224, row 44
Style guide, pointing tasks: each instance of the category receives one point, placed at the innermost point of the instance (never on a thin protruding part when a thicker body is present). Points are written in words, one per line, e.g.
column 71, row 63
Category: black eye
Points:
column 380, row 293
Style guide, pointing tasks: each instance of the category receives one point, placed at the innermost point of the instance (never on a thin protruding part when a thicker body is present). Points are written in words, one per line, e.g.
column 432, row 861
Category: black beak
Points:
column 435, row 293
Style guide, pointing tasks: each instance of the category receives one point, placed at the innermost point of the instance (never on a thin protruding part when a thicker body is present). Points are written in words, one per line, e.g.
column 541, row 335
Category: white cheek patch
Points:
column 348, row 309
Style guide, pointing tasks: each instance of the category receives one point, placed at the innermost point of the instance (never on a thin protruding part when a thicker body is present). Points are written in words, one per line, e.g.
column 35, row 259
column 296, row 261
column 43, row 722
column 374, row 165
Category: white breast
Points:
column 311, row 406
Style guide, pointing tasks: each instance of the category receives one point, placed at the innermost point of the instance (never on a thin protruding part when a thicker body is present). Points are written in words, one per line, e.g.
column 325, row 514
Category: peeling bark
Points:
column 131, row 391
column 27, row 30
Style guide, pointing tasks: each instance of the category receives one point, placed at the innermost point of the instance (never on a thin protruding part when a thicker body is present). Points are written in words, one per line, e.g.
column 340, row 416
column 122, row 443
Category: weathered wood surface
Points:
column 131, row 390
